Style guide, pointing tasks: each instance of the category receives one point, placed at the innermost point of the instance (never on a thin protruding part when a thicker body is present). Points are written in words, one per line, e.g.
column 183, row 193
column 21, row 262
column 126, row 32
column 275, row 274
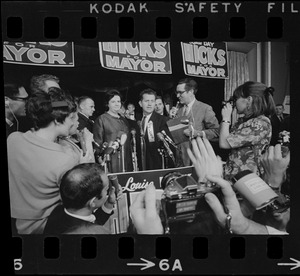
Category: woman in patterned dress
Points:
column 252, row 133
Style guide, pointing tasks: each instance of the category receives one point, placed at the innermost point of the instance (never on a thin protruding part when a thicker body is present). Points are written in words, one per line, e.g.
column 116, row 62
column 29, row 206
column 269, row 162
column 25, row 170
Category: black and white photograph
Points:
column 158, row 132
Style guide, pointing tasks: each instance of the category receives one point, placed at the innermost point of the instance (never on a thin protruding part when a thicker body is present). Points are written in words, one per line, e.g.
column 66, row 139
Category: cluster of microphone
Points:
column 112, row 147
column 166, row 141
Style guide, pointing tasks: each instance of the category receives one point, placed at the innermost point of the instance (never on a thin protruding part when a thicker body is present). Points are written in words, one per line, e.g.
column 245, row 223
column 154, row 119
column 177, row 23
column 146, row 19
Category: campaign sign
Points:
column 132, row 184
column 205, row 59
column 138, row 57
column 59, row 54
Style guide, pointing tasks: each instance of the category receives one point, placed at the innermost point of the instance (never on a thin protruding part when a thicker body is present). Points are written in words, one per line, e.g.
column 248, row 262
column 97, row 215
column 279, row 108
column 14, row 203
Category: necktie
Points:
column 143, row 122
column 186, row 110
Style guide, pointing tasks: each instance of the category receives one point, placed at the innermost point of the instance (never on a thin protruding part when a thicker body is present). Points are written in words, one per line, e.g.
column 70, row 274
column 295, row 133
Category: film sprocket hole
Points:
column 183, row 198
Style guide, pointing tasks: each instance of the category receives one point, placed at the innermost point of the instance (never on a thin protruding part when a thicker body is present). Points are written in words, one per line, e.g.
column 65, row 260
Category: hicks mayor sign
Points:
column 59, row 54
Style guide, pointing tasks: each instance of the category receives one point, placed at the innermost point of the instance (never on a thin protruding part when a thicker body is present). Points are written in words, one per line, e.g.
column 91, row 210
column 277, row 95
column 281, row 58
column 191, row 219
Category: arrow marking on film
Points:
column 295, row 265
column 146, row 264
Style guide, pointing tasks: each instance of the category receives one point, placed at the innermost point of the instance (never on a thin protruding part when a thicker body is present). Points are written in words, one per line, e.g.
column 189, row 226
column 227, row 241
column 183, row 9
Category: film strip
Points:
column 57, row 36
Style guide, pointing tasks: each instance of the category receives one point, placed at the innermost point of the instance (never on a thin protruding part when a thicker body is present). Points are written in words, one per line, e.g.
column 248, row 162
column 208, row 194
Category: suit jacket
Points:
column 60, row 222
column 85, row 122
column 285, row 124
column 204, row 119
column 153, row 158
column 276, row 126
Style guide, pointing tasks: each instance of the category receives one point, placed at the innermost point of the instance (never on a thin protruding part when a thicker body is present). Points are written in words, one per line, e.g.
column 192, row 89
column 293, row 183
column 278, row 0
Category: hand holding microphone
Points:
column 114, row 182
column 80, row 136
column 113, row 146
column 174, row 110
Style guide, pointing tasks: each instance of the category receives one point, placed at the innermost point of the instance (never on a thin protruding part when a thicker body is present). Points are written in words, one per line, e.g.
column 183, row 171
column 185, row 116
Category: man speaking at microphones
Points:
column 152, row 124
column 201, row 117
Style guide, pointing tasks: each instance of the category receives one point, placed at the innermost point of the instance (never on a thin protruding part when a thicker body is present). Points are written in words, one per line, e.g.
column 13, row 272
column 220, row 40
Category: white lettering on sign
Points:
column 35, row 55
column 204, row 54
column 131, row 64
column 132, row 186
column 142, row 49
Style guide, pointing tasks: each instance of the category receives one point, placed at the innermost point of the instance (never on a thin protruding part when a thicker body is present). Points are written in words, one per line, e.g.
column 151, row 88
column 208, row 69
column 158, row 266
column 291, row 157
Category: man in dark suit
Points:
column 86, row 108
column 276, row 121
column 152, row 124
column 87, row 202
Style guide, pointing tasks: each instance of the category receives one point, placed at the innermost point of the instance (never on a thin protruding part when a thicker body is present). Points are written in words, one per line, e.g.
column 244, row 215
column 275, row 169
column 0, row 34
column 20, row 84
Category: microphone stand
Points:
column 123, row 158
column 107, row 163
column 119, row 215
column 143, row 150
column 134, row 158
column 162, row 154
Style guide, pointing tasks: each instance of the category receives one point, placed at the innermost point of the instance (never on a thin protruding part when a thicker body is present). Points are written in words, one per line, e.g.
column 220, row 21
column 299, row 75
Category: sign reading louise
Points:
column 205, row 59
column 139, row 57
column 60, row 54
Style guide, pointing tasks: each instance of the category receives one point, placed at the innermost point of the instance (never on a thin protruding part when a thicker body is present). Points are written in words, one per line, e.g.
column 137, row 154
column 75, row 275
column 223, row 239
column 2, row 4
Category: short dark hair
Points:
column 110, row 94
column 280, row 104
column 11, row 90
column 80, row 184
column 189, row 84
column 42, row 113
column 130, row 103
column 37, row 83
column 148, row 91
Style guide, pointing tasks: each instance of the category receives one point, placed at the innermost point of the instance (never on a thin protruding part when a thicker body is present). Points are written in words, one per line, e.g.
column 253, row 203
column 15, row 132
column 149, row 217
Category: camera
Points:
column 231, row 100
column 280, row 205
column 284, row 140
column 183, row 197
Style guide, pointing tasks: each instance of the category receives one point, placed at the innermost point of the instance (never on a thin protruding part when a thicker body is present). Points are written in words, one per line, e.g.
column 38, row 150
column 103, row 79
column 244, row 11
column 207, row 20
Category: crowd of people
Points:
column 59, row 159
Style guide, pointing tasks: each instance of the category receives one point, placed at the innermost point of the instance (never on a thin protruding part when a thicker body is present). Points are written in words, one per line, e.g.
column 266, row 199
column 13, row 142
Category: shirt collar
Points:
column 90, row 218
column 191, row 103
column 83, row 114
column 9, row 122
column 148, row 116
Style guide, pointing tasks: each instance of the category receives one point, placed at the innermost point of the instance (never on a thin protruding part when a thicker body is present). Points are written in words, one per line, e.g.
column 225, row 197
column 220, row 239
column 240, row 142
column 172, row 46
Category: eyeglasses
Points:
column 19, row 99
column 179, row 92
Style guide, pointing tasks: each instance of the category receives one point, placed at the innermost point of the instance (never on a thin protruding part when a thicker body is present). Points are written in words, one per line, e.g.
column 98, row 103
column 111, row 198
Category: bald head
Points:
column 86, row 106
column 81, row 184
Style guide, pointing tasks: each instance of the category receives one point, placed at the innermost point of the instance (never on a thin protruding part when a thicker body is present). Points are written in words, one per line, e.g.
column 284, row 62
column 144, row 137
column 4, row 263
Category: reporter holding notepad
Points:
column 200, row 116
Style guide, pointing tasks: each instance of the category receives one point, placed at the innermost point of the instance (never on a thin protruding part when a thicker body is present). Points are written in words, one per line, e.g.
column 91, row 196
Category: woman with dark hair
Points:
column 252, row 133
column 78, row 143
column 109, row 127
column 36, row 162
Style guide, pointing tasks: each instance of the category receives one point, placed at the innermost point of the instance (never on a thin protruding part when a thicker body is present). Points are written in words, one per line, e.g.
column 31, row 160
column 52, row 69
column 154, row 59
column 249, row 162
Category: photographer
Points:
column 88, row 202
column 252, row 132
column 145, row 217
